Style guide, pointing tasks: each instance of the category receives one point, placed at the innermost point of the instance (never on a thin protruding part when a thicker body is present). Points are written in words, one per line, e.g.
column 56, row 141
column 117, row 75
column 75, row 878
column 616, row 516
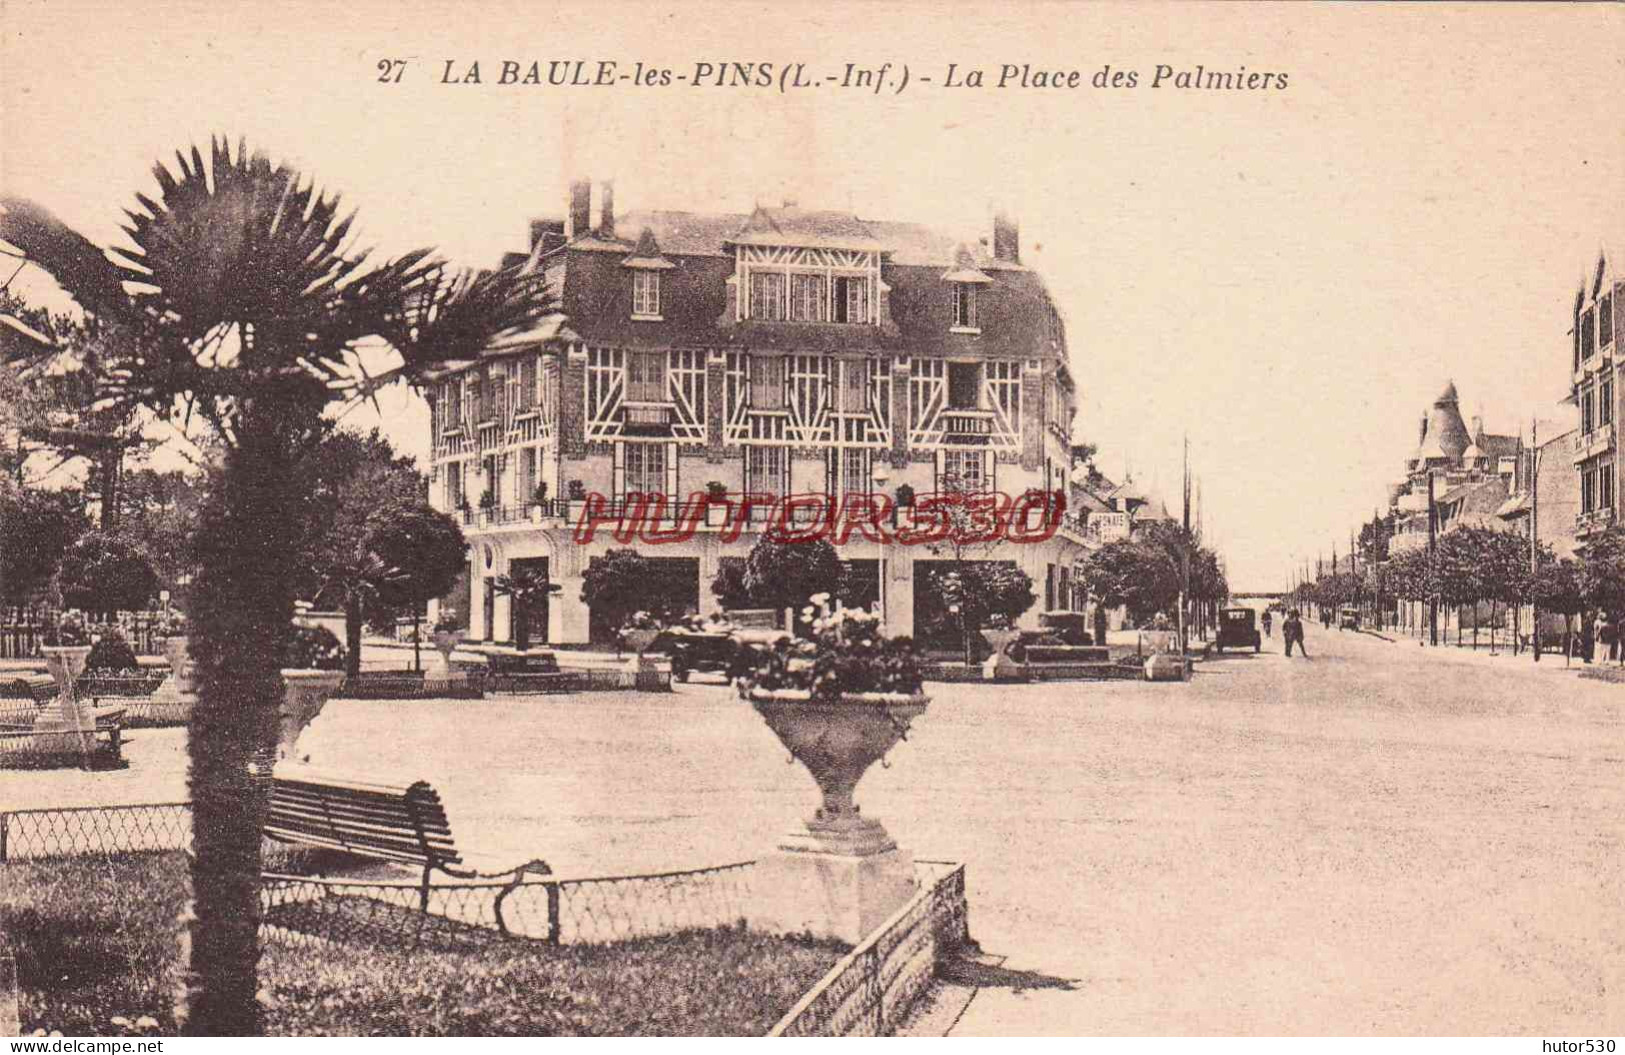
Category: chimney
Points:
column 606, row 208
column 579, row 217
column 540, row 230
column 1006, row 238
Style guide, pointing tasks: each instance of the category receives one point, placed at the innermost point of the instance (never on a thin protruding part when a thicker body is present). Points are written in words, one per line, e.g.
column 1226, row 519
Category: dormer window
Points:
column 965, row 308
column 646, row 295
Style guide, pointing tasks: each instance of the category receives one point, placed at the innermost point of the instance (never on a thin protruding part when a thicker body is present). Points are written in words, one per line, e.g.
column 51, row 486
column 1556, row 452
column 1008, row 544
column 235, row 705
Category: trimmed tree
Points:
column 105, row 572
column 36, row 529
column 1139, row 576
column 781, row 575
column 616, row 585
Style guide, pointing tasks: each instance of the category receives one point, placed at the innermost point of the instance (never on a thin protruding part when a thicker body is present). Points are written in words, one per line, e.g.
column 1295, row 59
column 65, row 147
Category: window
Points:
column 454, row 403
column 767, row 296
column 851, row 302
column 646, row 377
column 1605, row 484
column 767, row 383
column 645, row 468
column 1605, row 321
column 1605, row 400
column 527, row 476
column 849, row 471
column 1587, row 335
column 964, row 306
column 964, row 386
column 964, row 470
column 527, row 384
column 807, row 303
column 1588, row 409
column 456, row 497
column 853, row 393
column 767, row 470
column 1588, row 487
column 646, row 294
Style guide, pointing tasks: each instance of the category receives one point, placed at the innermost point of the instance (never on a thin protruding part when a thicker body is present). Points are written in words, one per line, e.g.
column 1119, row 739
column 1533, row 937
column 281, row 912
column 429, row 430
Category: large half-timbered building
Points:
column 788, row 351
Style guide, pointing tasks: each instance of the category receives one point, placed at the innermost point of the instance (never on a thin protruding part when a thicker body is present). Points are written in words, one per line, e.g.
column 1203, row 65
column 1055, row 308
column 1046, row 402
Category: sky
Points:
column 1287, row 277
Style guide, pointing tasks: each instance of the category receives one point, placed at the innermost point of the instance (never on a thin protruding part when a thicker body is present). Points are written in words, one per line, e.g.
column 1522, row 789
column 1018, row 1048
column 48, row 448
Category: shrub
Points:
column 112, row 652
column 312, row 648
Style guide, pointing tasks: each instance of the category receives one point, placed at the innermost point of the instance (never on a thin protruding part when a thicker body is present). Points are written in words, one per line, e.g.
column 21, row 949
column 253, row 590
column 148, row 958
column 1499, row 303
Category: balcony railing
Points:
column 967, row 422
column 1596, row 520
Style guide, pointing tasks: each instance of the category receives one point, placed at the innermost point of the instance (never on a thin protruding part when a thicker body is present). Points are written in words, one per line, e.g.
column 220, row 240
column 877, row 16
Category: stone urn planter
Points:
column 841, row 874
column 304, row 694
column 999, row 665
column 446, row 642
column 638, row 642
column 73, row 719
column 175, row 697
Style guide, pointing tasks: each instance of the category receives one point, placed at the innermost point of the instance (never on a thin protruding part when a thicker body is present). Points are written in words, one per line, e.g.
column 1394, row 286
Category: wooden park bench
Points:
column 404, row 825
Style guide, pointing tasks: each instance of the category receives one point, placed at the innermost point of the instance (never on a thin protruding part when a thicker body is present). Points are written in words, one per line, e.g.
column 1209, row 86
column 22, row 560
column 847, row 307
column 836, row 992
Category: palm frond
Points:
column 79, row 266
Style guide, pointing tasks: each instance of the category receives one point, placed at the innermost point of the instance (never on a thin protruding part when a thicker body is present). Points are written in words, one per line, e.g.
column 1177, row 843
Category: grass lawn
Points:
column 95, row 938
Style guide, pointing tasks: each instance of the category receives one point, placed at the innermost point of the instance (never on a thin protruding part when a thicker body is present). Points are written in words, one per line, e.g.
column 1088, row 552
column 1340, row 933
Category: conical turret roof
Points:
column 1447, row 435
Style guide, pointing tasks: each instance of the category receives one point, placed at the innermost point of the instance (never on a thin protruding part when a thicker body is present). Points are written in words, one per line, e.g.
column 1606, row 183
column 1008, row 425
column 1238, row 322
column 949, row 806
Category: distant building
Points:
column 1597, row 334
column 1471, row 471
column 1547, row 475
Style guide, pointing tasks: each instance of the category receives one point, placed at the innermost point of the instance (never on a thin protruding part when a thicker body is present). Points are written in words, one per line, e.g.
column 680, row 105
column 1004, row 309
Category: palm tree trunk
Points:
column 241, row 608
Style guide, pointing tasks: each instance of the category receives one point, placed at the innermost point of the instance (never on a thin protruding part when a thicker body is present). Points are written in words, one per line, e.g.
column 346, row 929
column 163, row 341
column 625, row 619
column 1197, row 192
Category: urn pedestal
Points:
column 840, row 875
column 445, row 642
column 638, row 642
column 67, row 723
column 999, row 666
column 175, row 697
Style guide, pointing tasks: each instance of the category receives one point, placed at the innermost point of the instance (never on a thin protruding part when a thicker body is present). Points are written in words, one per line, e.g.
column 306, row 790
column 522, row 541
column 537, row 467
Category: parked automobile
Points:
column 1238, row 628
column 1348, row 618
column 692, row 650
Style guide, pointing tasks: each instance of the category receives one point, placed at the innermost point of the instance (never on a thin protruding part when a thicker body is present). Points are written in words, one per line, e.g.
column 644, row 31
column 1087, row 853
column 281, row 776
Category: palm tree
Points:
column 240, row 299
column 525, row 587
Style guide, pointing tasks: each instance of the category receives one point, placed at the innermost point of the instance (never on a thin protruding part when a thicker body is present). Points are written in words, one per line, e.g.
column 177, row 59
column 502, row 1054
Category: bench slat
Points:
column 399, row 814
column 403, row 844
column 309, row 818
column 308, row 839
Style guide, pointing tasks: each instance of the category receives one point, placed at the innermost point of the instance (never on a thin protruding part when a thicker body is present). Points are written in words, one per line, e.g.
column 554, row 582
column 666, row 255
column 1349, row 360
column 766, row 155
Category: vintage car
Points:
column 1348, row 618
column 1238, row 628
column 692, row 650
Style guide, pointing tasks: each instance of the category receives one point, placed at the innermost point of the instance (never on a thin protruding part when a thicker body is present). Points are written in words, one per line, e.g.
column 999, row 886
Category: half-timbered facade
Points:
column 788, row 351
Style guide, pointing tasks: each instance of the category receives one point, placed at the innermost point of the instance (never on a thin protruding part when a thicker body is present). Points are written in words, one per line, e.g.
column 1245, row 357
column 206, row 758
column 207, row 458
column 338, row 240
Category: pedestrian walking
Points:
column 1292, row 633
column 1608, row 635
column 1268, row 622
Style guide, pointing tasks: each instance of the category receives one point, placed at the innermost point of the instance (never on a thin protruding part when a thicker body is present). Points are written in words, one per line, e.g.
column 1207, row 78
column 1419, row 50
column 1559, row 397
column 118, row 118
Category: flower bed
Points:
column 95, row 939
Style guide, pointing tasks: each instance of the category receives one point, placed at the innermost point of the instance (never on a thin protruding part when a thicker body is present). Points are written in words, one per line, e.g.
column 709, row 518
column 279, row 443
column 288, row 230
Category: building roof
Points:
column 682, row 233
column 1446, row 436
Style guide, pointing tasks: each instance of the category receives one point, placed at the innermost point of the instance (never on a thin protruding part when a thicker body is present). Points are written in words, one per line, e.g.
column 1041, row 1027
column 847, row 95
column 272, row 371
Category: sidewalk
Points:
column 1465, row 653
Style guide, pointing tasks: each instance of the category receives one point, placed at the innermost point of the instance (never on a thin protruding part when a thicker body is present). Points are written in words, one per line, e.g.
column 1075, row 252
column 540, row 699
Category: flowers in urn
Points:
column 69, row 631
column 640, row 630
column 447, row 623
column 845, row 654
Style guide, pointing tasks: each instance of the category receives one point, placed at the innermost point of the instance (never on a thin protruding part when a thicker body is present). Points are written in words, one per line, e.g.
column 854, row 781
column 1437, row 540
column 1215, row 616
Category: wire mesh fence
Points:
column 34, row 834
column 870, row 991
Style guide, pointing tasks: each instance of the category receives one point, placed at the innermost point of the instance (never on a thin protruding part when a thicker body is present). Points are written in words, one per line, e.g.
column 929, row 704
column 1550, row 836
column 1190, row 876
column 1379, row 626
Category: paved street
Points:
column 1381, row 839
